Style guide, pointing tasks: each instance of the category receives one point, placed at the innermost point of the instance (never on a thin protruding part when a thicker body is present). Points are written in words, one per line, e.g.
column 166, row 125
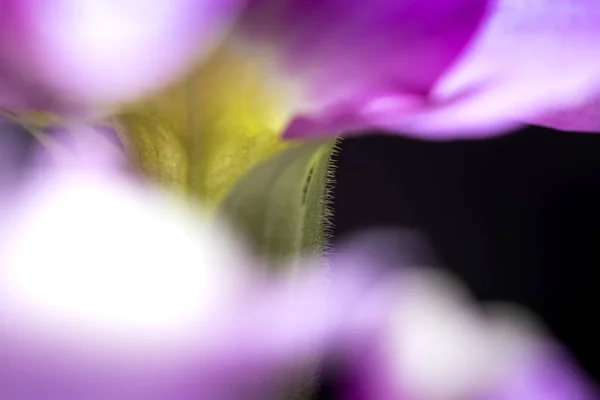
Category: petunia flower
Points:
column 74, row 57
column 112, row 289
column 431, row 69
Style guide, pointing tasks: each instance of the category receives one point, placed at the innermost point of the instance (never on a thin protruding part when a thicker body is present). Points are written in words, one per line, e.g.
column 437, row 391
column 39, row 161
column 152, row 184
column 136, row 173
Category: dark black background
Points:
column 516, row 217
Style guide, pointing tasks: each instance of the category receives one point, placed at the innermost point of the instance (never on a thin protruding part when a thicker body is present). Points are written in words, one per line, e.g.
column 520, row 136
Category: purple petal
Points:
column 350, row 55
column 547, row 377
column 69, row 55
column 530, row 62
column 419, row 336
column 585, row 118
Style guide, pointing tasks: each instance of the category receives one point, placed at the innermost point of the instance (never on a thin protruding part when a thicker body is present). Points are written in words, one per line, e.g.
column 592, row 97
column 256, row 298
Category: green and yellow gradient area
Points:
column 215, row 138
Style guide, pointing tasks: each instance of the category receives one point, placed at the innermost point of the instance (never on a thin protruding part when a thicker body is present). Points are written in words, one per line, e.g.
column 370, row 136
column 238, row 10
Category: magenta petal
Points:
column 531, row 62
column 535, row 62
column 69, row 55
column 349, row 54
column 585, row 118
column 469, row 116
column 385, row 43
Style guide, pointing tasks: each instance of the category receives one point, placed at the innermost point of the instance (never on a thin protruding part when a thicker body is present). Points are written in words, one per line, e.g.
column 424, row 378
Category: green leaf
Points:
column 281, row 204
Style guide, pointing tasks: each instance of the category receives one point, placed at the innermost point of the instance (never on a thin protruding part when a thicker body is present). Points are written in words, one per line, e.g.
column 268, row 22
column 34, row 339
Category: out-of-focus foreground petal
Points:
column 68, row 55
column 111, row 289
column 420, row 336
column 103, row 279
column 349, row 61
